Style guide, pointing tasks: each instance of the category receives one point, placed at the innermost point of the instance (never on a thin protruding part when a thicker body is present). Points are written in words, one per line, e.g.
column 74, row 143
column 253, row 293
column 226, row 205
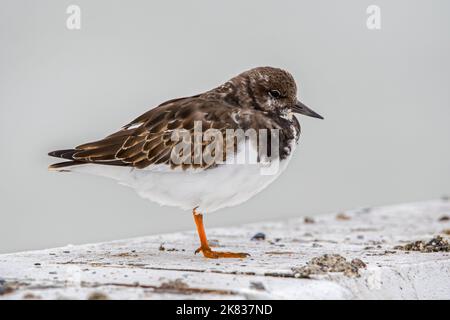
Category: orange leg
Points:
column 204, row 246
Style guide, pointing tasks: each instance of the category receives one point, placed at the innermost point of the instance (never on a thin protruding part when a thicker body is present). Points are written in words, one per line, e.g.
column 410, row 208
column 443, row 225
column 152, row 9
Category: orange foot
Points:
column 208, row 253
column 204, row 246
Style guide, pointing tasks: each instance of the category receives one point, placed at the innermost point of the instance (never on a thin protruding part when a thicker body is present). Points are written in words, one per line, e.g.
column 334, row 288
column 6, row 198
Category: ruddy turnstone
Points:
column 167, row 156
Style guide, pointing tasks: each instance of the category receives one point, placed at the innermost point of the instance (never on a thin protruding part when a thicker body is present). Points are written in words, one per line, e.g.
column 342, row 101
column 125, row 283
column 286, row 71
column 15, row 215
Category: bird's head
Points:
column 274, row 90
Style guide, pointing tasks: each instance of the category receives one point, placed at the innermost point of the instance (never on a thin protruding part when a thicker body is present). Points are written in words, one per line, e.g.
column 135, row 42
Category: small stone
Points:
column 31, row 296
column 98, row 296
column 5, row 288
column 342, row 216
column 444, row 218
column 257, row 285
column 309, row 220
column 37, row 264
column 174, row 284
column 161, row 247
column 359, row 263
column 259, row 236
column 436, row 244
column 329, row 263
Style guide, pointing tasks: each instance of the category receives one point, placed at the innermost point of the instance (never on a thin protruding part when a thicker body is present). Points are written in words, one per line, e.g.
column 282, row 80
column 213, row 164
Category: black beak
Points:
column 302, row 109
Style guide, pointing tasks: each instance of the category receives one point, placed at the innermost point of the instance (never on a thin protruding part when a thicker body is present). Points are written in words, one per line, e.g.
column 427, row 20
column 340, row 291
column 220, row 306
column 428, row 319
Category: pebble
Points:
column 259, row 236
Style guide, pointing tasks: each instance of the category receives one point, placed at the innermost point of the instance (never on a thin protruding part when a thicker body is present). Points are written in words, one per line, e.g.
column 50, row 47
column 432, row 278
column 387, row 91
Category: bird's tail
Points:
column 64, row 154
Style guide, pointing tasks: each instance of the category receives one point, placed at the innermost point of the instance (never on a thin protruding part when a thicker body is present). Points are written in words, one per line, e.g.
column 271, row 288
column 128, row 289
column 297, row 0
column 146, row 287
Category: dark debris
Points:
column 359, row 263
column 309, row 220
column 329, row 263
column 98, row 296
column 31, row 296
column 177, row 284
column 436, row 244
column 162, row 248
column 259, row 236
column 5, row 287
column 257, row 285
column 342, row 216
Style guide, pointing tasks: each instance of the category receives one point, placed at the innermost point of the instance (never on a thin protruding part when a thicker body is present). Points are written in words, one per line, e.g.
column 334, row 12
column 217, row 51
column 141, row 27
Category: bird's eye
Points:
column 275, row 94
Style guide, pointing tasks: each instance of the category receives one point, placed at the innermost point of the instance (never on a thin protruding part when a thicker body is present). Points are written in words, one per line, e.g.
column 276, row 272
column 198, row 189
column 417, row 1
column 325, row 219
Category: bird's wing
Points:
column 147, row 140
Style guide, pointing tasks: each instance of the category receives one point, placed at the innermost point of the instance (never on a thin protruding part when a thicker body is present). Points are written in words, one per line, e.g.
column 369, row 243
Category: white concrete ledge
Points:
column 367, row 263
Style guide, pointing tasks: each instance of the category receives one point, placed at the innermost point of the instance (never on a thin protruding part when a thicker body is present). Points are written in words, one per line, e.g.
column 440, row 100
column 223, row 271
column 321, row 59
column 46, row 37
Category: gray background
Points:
column 384, row 94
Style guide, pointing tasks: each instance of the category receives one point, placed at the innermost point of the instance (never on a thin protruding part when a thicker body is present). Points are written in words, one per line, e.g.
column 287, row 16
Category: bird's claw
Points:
column 208, row 253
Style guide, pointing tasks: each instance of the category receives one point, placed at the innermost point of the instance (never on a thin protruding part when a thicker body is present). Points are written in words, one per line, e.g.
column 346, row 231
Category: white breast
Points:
column 212, row 189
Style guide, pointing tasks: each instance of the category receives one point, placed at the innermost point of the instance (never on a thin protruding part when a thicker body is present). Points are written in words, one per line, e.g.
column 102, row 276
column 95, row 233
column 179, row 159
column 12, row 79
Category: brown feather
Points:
column 146, row 140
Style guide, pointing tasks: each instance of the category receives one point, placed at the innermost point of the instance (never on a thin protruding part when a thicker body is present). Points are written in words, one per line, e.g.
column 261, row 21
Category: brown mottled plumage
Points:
column 245, row 101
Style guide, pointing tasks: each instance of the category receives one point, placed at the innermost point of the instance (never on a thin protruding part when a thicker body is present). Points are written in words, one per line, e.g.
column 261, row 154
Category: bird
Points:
column 145, row 156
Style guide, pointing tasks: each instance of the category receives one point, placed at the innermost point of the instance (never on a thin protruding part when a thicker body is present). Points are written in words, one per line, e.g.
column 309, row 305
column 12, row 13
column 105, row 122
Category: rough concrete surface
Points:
column 392, row 252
